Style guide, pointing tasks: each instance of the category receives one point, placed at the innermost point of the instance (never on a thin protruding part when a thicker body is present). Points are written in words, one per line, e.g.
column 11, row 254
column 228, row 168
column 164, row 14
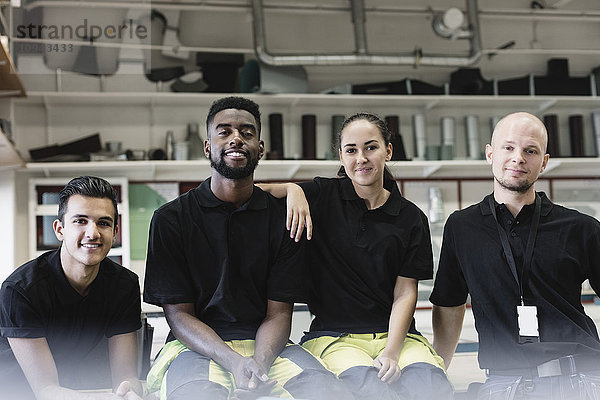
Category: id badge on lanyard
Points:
column 527, row 318
column 528, row 324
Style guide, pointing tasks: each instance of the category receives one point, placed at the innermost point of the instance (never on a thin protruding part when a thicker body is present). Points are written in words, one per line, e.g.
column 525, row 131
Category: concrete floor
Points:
column 463, row 369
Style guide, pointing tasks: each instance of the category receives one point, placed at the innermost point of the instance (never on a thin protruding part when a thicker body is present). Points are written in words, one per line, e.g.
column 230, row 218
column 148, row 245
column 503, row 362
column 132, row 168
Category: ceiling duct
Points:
column 361, row 54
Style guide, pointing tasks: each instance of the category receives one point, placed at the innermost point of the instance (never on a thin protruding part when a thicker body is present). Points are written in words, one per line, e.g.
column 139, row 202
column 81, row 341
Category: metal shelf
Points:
column 426, row 102
column 299, row 169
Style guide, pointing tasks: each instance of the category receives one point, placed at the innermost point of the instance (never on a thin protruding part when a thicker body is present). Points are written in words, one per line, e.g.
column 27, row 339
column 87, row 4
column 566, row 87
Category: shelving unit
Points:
column 9, row 157
column 42, row 215
column 301, row 169
column 10, row 83
column 141, row 119
column 426, row 102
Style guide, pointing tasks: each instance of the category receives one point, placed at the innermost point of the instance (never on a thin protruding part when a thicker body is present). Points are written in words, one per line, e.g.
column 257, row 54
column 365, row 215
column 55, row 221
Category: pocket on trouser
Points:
column 168, row 353
column 591, row 384
column 319, row 344
column 417, row 349
column 499, row 388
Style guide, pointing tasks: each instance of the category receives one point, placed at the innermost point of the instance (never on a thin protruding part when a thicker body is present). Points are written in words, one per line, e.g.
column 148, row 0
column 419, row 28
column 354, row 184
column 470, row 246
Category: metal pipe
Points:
column 360, row 57
column 584, row 52
column 554, row 52
column 474, row 16
column 359, row 20
column 542, row 15
column 475, row 28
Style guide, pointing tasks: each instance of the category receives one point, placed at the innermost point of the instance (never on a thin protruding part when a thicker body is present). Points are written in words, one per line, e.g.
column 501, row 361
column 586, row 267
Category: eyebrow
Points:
column 527, row 145
column 106, row 218
column 367, row 142
column 224, row 125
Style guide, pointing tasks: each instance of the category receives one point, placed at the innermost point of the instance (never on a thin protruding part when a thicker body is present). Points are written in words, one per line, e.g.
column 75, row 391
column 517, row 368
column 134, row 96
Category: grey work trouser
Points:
column 581, row 386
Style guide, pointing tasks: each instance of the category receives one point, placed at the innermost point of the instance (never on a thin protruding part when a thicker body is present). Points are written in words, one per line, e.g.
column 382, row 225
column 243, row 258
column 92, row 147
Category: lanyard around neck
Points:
column 528, row 249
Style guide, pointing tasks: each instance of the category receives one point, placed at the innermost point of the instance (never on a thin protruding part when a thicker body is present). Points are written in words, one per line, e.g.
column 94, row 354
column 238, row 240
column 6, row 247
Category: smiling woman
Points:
column 369, row 249
column 364, row 150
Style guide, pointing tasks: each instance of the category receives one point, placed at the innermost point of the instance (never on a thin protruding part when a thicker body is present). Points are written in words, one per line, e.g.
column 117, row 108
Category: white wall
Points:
column 7, row 233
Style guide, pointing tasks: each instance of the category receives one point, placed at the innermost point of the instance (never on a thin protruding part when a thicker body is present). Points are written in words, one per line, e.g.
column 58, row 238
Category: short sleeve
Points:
column 418, row 263
column 128, row 310
column 166, row 280
column 312, row 190
column 593, row 250
column 450, row 288
column 287, row 277
column 19, row 317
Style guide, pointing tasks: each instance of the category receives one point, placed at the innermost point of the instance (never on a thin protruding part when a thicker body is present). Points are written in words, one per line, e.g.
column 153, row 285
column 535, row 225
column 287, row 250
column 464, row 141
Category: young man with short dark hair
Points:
column 69, row 318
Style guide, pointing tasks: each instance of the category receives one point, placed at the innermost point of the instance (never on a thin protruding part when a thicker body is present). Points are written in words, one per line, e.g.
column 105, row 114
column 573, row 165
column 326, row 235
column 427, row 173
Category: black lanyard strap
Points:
column 528, row 249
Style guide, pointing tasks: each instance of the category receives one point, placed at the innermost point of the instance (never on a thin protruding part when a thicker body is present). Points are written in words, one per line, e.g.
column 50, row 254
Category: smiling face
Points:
column 363, row 153
column 88, row 231
column 517, row 152
column 234, row 147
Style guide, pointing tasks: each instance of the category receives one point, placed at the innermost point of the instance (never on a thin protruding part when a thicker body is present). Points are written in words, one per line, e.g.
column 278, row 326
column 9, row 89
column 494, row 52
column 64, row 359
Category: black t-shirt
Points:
column 566, row 253
column 228, row 262
column 38, row 301
column 356, row 255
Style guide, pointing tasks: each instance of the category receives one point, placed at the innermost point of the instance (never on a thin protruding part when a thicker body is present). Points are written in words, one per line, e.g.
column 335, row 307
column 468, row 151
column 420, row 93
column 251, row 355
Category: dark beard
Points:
column 522, row 188
column 234, row 173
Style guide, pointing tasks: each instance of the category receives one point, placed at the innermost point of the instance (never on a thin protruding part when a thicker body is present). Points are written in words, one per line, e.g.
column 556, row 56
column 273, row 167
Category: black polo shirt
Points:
column 566, row 253
column 38, row 301
column 357, row 254
column 228, row 262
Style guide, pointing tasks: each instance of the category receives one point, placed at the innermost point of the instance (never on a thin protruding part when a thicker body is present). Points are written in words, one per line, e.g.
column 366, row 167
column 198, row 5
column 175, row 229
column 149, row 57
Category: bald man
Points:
column 522, row 259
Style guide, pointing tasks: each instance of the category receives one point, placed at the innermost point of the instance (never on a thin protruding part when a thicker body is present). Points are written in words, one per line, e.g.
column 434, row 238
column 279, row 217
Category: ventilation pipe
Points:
column 361, row 55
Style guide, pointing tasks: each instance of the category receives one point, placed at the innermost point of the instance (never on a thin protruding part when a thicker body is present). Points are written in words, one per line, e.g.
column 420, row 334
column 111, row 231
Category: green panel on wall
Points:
column 143, row 200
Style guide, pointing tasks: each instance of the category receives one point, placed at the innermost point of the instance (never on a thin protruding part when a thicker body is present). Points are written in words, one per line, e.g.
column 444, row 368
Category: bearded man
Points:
column 226, row 273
